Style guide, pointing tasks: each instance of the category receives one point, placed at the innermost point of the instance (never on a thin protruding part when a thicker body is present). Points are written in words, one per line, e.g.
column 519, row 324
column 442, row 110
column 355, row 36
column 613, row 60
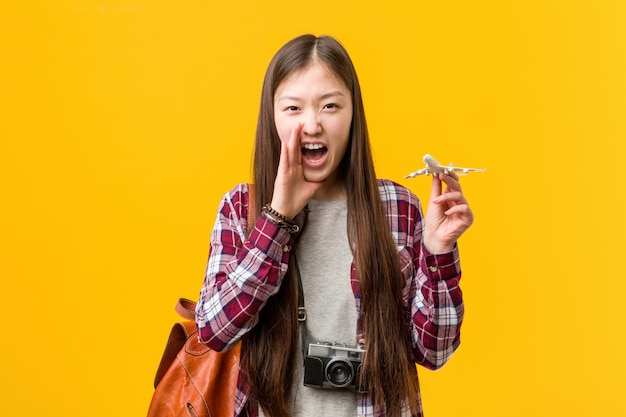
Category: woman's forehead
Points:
column 315, row 75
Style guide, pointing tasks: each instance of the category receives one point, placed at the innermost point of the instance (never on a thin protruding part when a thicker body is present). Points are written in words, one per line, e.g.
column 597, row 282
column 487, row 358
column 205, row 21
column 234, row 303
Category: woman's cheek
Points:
column 283, row 131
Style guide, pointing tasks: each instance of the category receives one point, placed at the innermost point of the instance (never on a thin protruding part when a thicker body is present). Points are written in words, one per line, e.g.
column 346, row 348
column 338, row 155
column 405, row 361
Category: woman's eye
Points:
column 331, row 106
column 292, row 108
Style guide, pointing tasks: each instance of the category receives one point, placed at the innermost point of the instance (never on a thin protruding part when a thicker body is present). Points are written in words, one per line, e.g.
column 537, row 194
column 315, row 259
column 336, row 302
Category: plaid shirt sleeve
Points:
column 432, row 289
column 241, row 273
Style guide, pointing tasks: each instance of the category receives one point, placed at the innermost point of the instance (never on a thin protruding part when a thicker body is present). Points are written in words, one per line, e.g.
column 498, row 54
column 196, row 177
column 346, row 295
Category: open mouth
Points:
column 314, row 152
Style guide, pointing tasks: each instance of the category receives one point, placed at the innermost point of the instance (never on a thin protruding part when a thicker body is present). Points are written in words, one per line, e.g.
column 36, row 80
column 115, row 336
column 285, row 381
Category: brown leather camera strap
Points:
column 301, row 308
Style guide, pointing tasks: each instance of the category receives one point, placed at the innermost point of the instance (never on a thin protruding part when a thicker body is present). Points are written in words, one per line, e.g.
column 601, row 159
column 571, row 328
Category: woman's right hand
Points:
column 291, row 190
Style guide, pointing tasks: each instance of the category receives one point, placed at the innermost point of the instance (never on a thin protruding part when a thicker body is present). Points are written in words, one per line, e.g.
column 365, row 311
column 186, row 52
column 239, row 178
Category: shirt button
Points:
column 286, row 248
column 433, row 268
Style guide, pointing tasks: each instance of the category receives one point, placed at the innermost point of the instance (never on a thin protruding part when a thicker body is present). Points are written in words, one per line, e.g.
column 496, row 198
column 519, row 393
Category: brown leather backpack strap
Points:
column 178, row 337
column 186, row 309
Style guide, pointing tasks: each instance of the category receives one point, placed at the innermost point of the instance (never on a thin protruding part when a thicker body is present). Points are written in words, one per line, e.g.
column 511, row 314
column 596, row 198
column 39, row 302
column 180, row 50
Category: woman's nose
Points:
column 311, row 123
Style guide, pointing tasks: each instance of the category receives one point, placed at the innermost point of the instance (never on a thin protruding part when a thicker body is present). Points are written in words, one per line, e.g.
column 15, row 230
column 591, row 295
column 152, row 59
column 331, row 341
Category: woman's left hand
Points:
column 448, row 214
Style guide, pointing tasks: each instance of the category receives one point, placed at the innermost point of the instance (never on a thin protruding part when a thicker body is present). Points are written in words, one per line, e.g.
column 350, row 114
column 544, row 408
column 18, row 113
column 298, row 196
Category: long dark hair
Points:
column 269, row 350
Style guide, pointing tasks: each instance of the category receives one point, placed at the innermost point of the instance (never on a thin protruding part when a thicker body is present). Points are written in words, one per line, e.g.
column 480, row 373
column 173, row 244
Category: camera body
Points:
column 333, row 366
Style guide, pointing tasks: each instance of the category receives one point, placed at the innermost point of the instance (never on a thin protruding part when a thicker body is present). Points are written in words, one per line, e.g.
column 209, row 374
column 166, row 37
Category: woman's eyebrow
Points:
column 322, row 97
column 331, row 94
column 292, row 98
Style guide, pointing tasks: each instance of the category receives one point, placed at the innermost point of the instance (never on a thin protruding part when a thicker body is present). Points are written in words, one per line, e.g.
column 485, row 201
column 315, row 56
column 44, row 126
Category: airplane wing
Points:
column 434, row 167
column 464, row 171
column 423, row 171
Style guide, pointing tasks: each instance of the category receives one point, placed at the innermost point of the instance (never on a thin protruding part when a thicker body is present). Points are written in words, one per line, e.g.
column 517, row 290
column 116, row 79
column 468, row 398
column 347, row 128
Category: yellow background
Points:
column 123, row 123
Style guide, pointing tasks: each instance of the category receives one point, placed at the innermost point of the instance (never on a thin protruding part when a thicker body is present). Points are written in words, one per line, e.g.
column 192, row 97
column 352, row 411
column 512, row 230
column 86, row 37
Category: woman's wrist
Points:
column 280, row 219
column 435, row 248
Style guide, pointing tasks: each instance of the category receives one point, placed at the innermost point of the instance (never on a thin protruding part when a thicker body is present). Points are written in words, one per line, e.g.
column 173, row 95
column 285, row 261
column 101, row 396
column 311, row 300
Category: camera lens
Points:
column 339, row 372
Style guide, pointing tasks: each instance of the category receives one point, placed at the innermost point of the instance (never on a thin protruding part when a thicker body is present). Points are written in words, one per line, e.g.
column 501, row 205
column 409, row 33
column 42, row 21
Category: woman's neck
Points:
column 331, row 191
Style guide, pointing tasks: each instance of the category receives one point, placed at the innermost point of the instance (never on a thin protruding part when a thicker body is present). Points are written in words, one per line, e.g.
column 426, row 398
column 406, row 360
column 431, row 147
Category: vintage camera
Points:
column 332, row 365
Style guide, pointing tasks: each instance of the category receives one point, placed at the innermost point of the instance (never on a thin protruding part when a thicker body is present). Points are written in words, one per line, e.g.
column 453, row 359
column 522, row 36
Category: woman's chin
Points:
column 315, row 177
column 328, row 182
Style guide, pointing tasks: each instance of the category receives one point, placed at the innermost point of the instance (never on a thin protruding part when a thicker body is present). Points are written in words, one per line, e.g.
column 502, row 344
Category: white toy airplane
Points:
column 434, row 167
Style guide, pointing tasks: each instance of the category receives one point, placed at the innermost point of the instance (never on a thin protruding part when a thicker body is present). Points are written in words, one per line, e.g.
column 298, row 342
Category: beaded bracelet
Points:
column 280, row 219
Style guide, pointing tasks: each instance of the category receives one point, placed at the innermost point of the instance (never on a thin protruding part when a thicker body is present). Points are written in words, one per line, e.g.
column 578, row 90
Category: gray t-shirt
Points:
column 324, row 258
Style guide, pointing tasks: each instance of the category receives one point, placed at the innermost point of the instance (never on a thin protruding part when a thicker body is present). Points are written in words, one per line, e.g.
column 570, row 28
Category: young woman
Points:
column 380, row 283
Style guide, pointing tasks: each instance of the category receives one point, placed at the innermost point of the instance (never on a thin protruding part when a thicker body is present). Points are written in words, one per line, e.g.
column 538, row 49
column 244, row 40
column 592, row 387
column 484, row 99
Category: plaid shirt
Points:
column 242, row 274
